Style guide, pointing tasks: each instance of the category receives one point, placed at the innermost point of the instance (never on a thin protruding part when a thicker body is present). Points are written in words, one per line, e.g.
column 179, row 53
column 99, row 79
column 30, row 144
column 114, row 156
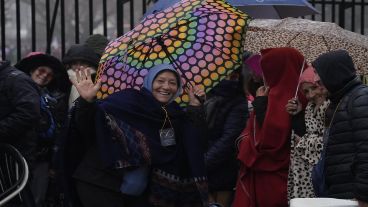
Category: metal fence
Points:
column 349, row 14
column 53, row 25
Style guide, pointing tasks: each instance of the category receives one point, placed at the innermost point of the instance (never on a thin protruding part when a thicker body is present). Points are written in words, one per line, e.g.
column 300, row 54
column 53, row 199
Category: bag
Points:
column 135, row 181
column 47, row 125
column 318, row 171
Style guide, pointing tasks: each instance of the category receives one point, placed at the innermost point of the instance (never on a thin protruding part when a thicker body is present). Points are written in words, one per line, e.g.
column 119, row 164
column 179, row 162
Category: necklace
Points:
column 167, row 135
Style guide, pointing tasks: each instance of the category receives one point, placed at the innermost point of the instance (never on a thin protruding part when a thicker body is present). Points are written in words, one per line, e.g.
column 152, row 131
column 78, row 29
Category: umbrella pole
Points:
column 164, row 47
column 300, row 75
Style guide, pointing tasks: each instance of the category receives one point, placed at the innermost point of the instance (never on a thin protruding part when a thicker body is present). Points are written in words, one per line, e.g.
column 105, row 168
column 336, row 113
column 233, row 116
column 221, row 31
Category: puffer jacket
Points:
column 227, row 113
column 346, row 165
column 19, row 110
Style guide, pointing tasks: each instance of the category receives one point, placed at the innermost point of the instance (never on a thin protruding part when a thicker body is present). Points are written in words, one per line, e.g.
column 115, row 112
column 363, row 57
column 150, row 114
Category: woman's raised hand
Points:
column 84, row 84
column 196, row 95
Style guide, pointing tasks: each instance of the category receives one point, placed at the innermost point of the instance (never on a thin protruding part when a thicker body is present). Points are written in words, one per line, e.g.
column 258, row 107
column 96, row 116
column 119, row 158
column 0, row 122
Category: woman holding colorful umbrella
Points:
column 145, row 150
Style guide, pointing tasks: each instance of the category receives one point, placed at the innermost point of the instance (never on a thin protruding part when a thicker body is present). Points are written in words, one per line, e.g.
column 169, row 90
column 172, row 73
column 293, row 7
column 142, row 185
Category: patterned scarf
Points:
column 127, row 135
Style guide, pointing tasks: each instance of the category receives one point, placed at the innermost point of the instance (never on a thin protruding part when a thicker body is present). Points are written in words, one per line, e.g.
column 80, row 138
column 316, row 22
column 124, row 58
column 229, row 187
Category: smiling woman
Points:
column 146, row 149
column 45, row 70
column 48, row 73
column 165, row 87
column 42, row 75
column 164, row 83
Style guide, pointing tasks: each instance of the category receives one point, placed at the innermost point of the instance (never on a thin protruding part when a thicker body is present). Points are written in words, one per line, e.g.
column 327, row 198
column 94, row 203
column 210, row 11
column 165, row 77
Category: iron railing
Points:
column 349, row 14
column 57, row 24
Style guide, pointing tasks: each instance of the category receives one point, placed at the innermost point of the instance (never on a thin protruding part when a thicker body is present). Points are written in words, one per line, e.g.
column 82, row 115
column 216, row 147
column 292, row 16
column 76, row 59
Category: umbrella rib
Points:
column 206, row 43
column 287, row 44
column 278, row 12
column 146, row 54
column 164, row 47
column 160, row 42
column 218, row 12
column 325, row 41
column 187, row 23
column 133, row 49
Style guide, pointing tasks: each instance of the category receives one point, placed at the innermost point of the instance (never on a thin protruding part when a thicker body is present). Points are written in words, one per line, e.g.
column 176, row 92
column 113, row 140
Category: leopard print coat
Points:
column 306, row 153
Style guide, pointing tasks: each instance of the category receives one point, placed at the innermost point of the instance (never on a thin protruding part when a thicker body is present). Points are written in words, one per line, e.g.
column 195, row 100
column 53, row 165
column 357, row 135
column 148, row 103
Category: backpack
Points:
column 318, row 171
column 47, row 125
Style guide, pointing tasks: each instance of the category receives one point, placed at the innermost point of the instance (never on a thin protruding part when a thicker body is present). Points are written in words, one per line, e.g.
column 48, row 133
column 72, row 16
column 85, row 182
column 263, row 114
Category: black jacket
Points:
column 227, row 113
column 81, row 156
column 346, row 166
column 19, row 110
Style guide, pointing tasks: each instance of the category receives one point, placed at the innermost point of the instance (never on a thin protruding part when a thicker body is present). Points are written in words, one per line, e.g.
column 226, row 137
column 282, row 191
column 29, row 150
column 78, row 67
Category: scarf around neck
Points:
column 136, row 142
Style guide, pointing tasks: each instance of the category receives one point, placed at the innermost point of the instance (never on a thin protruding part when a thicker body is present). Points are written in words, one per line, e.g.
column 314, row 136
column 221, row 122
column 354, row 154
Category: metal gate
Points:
column 52, row 26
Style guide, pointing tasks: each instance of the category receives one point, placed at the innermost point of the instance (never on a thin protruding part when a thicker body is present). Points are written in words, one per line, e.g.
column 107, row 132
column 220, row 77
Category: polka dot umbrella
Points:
column 202, row 39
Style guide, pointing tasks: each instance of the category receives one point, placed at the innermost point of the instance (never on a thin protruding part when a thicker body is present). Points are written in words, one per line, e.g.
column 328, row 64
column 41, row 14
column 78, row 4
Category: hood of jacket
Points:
column 227, row 89
column 336, row 71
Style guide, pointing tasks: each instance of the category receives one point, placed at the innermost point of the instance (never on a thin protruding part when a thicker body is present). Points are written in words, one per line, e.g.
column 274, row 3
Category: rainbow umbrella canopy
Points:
column 203, row 40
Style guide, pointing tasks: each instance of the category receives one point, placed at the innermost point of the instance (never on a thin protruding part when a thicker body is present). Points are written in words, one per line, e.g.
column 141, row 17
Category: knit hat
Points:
column 97, row 42
column 81, row 52
column 308, row 76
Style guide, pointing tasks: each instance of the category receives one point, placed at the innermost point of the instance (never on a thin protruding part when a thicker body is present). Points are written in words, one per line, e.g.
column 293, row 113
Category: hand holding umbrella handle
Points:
column 197, row 96
column 85, row 86
column 293, row 106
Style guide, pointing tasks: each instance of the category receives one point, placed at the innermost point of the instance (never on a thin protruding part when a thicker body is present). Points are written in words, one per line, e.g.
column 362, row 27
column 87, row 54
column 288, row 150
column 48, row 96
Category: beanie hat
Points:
column 80, row 52
column 308, row 76
column 97, row 42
